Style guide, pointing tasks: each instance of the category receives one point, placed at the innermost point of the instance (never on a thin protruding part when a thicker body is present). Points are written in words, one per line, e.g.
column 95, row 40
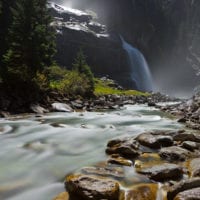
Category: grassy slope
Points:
column 103, row 88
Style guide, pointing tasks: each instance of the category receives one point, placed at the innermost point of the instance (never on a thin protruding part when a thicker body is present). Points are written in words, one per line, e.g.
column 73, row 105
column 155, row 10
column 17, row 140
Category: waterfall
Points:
column 140, row 72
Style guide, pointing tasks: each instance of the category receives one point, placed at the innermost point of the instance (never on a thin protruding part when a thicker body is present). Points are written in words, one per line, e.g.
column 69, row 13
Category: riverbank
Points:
column 167, row 161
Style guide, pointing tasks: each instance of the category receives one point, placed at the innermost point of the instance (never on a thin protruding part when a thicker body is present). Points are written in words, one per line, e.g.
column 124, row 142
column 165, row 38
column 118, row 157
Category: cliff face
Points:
column 166, row 31
column 77, row 29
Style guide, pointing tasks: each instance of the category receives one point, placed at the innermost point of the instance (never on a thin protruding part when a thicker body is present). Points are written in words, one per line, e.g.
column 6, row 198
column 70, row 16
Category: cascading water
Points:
column 140, row 72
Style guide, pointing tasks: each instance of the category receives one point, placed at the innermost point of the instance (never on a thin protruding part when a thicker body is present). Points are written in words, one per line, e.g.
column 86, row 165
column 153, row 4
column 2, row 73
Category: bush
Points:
column 70, row 83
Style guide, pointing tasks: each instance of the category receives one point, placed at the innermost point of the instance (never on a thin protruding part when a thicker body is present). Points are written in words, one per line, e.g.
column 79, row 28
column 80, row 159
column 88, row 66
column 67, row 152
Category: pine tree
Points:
column 82, row 67
column 5, row 22
column 31, row 41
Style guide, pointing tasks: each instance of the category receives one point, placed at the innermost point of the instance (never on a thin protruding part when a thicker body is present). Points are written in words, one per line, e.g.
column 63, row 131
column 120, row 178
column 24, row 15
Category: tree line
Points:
column 27, row 50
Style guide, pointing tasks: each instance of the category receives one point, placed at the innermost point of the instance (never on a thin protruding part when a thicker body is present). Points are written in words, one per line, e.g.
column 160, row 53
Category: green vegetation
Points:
column 103, row 87
column 27, row 69
column 71, row 83
column 80, row 65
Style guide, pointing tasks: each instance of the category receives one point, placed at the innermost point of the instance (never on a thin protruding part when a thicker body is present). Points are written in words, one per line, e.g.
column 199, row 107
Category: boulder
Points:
column 142, row 192
column 194, row 167
column 193, row 194
column 61, row 107
column 163, row 172
column 91, row 188
column 154, row 141
column 182, row 186
column 126, row 147
column 174, row 153
column 38, row 109
column 186, row 136
column 189, row 145
column 118, row 160
column 62, row 196
column 113, row 172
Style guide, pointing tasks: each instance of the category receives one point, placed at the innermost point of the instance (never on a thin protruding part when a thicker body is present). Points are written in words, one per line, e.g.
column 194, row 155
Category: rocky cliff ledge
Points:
column 77, row 29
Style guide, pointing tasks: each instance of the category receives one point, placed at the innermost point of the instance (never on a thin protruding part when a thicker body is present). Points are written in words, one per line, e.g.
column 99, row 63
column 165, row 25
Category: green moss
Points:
column 104, row 88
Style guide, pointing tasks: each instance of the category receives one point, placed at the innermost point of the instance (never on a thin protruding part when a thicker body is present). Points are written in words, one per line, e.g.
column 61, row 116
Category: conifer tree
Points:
column 5, row 22
column 31, row 41
column 82, row 67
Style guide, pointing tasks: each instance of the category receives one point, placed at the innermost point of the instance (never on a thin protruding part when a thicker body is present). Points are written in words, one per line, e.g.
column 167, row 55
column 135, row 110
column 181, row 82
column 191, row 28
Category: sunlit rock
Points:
column 91, row 188
column 162, row 172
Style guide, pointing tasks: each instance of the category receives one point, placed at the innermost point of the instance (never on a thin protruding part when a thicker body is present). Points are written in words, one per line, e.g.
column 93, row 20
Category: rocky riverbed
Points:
column 167, row 161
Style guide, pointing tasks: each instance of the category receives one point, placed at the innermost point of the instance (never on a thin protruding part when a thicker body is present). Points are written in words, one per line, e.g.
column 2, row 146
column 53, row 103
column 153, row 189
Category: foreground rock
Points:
column 62, row 196
column 61, row 107
column 91, row 188
column 163, row 172
column 155, row 141
column 113, row 172
column 174, row 153
column 194, row 167
column 193, row 194
column 126, row 147
column 182, row 186
column 142, row 192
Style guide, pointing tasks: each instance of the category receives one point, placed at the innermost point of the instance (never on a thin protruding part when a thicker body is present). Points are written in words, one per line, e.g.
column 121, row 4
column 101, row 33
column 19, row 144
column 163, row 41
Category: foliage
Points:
column 103, row 88
column 31, row 41
column 81, row 66
column 5, row 22
column 73, row 83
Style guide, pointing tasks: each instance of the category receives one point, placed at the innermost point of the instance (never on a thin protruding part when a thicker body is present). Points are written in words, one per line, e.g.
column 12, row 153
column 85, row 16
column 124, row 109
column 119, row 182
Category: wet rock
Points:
column 61, row 107
column 38, row 109
column 91, row 188
column 113, row 172
column 142, row 192
column 194, row 167
column 126, row 147
column 154, row 141
column 174, row 153
column 182, row 186
column 193, row 194
column 62, row 196
column 191, row 146
column 118, row 160
column 163, row 172
column 187, row 136
column 78, row 104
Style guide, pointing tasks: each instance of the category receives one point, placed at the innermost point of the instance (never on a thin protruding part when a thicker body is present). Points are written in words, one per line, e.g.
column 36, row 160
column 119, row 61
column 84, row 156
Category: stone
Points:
column 163, row 172
column 174, row 153
column 38, row 109
column 194, row 167
column 154, row 141
column 112, row 171
column 182, row 186
column 142, row 192
column 91, row 188
column 187, row 136
column 118, row 160
column 193, row 194
column 62, row 107
column 62, row 196
column 126, row 147
column 191, row 146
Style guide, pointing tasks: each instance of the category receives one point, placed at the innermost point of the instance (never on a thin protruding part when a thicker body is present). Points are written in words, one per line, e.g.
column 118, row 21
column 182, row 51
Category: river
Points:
column 36, row 152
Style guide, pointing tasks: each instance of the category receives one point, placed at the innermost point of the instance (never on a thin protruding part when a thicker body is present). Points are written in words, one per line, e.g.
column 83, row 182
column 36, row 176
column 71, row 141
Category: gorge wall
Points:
column 166, row 31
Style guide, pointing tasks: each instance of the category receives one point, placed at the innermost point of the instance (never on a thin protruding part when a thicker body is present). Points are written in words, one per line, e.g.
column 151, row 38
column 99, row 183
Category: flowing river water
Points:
column 36, row 153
